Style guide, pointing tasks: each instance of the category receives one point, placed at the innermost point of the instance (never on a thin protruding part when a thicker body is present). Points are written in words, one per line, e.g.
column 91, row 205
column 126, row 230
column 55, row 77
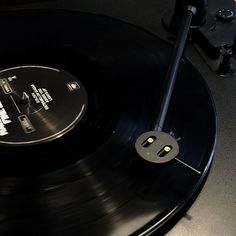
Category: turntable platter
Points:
column 90, row 180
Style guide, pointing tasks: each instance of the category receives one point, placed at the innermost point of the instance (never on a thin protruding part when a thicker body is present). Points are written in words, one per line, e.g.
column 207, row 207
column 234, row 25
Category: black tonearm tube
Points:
column 174, row 66
column 157, row 146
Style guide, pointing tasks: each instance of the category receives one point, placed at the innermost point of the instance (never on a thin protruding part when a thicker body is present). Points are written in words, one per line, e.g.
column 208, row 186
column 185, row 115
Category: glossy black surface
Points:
column 99, row 185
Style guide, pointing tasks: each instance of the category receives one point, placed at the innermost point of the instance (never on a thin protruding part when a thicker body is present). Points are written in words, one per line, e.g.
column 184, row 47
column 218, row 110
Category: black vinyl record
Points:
column 68, row 165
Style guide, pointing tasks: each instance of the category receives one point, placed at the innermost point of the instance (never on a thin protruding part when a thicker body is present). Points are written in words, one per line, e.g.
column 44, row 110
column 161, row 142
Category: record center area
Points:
column 38, row 104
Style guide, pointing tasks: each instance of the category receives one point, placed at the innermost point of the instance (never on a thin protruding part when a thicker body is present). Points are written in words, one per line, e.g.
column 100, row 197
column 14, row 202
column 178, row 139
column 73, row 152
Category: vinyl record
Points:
column 77, row 90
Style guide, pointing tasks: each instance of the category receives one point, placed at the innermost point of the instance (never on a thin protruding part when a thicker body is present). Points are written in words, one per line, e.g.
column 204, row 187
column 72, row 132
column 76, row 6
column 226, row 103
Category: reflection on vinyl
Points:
column 76, row 92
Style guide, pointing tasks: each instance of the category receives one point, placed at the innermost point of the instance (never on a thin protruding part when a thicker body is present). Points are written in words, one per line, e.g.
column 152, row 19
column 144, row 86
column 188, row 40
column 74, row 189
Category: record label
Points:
column 38, row 104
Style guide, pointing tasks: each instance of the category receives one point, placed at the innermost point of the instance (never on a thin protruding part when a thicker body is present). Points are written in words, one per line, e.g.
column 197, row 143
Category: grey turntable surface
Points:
column 214, row 210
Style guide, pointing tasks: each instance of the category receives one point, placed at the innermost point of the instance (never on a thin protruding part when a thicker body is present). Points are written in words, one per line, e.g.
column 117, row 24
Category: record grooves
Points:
column 98, row 185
